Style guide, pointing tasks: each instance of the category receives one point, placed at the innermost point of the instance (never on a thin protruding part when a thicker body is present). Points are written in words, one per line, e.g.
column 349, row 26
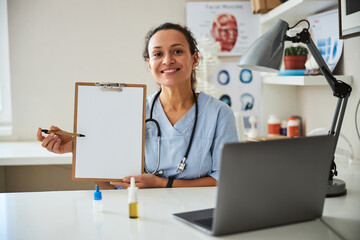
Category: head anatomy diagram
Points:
column 225, row 31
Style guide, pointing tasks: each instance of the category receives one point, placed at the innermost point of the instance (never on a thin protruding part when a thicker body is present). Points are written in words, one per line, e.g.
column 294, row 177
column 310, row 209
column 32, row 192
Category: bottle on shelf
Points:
column 293, row 127
column 298, row 118
column 283, row 128
column 252, row 133
column 273, row 126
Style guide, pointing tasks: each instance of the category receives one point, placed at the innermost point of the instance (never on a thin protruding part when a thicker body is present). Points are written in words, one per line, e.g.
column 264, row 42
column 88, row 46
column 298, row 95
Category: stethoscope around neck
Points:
column 182, row 164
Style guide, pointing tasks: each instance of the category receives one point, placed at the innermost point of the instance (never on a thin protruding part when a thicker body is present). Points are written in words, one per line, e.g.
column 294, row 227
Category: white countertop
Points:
column 30, row 153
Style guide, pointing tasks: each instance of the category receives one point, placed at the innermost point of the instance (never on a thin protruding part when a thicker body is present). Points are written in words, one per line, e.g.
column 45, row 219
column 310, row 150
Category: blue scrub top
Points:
column 215, row 126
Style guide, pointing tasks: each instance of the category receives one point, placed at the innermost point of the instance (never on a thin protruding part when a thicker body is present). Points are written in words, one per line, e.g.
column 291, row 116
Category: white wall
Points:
column 55, row 43
column 5, row 99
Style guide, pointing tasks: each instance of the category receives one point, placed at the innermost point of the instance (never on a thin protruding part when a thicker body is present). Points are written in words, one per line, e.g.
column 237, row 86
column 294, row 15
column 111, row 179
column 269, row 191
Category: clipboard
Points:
column 112, row 118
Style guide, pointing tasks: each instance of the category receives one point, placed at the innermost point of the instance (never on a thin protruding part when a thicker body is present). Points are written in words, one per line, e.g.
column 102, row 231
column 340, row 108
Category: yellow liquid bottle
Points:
column 133, row 202
column 133, row 210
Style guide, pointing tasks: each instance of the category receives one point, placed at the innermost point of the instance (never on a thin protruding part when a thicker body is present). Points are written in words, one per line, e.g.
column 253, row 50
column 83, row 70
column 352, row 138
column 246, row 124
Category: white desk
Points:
column 69, row 215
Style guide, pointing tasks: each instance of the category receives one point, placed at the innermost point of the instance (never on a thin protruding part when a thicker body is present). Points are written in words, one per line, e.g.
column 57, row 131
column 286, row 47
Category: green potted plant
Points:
column 295, row 57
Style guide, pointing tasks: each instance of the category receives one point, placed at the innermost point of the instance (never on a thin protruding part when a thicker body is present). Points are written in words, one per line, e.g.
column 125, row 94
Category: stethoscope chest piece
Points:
column 182, row 165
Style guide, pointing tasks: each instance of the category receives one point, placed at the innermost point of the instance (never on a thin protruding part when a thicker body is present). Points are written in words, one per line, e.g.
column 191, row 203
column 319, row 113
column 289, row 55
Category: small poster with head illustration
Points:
column 231, row 24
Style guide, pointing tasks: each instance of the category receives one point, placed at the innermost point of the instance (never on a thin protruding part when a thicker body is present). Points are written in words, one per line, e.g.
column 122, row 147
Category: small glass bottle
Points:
column 133, row 202
column 293, row 127
column 98, row 209
column 97, row 203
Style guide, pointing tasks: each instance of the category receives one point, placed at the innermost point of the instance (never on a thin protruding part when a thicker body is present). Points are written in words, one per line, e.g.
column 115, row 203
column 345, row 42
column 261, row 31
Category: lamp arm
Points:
column 340, row 89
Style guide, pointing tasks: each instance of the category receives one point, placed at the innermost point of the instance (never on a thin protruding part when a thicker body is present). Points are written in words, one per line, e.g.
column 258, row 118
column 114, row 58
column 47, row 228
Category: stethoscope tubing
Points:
column 159, row 133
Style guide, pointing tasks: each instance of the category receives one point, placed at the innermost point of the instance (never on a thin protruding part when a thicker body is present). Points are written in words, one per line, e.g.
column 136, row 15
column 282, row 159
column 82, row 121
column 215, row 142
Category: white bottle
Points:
column 273, row 126
column 133, row 202
column 293, row 127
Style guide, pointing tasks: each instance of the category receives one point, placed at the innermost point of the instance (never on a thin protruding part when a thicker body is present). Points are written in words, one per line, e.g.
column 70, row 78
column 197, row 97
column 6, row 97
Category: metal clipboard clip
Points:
column 107, row 86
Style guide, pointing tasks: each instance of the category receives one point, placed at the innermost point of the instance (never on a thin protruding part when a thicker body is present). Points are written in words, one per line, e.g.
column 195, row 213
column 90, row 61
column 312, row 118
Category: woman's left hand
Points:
column 145, row 180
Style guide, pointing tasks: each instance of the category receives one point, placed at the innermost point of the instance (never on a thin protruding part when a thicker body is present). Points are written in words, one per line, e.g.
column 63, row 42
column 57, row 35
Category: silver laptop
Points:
column 266, row 184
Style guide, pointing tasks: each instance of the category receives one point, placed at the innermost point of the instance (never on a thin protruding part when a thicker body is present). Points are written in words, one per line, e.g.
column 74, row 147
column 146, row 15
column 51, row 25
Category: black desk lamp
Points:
column 266, row 55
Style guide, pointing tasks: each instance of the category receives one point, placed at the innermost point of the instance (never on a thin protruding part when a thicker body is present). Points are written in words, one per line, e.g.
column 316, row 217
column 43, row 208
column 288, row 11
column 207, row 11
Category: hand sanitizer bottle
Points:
column 133, row 202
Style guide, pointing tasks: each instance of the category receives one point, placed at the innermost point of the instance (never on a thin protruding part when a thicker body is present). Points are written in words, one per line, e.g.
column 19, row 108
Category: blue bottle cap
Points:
column 97, row 193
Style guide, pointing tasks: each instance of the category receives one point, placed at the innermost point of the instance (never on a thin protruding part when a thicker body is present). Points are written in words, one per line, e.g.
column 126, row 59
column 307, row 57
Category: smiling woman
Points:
column 192, row 126
column 184, row 130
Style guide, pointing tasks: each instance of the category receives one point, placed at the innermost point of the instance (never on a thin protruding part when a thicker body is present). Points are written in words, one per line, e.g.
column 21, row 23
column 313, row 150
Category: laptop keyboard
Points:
column 207, row 222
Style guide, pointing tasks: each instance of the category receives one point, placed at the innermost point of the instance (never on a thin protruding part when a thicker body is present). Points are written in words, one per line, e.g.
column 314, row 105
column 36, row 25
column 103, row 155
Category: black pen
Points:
column 59, row 132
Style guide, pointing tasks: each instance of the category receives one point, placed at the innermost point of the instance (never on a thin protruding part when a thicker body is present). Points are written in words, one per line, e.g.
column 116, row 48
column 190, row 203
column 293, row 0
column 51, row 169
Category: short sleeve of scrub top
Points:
column 215, row 126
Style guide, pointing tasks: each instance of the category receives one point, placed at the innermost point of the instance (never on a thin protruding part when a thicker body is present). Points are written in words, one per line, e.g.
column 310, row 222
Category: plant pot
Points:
column 295, row 62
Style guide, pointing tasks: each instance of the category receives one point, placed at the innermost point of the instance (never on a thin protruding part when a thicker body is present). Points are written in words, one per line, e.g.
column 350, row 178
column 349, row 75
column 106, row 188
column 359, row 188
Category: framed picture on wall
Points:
column 349, row 18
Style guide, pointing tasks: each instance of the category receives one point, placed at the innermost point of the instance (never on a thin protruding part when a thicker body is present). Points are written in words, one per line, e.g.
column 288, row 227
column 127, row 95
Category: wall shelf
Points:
column 30, row 153
column 303, row 80
column 294, row 10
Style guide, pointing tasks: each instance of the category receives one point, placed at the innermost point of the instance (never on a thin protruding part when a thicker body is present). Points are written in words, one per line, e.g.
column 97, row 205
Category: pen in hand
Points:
column 58, row 132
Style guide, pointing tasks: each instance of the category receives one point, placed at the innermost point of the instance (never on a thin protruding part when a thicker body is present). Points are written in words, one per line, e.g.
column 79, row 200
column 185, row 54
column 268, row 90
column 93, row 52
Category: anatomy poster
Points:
column 241, row 89
column 232, row 24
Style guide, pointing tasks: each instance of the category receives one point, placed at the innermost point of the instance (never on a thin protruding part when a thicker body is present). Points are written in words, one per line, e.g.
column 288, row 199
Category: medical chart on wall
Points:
column 325, row 34
column 232, row 24
column 241, row 89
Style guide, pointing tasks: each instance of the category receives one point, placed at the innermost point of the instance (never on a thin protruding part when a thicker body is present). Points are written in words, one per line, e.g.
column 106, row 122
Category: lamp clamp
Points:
column 301, row 37
column 340, row 89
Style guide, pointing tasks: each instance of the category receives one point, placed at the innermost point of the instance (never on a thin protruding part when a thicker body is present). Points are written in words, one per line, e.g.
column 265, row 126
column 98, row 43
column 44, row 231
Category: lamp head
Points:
column 267, row 52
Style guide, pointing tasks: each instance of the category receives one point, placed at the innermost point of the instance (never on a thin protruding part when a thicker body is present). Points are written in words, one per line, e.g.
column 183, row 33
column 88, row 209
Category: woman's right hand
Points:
column 55, row 143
